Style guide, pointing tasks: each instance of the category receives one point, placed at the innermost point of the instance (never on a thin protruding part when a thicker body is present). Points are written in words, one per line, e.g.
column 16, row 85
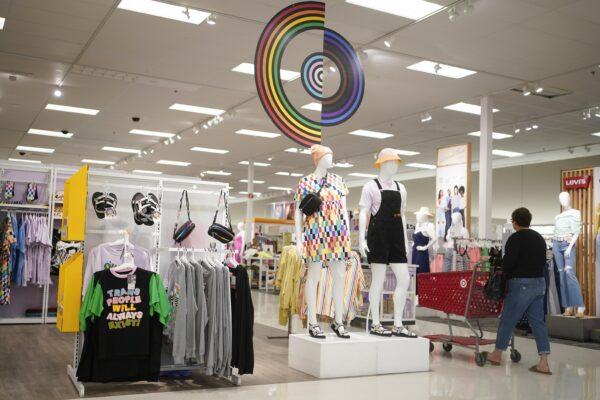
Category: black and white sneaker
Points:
column 340, row 330
column 315, row 331
column 401, row 331
column 379, row 330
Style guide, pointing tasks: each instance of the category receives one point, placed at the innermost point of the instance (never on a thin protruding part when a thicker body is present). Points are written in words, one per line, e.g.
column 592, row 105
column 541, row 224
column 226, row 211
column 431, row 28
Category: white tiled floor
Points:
column 452, row 376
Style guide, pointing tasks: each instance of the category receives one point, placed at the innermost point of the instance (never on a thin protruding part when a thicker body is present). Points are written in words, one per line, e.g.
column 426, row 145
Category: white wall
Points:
column 534, row 186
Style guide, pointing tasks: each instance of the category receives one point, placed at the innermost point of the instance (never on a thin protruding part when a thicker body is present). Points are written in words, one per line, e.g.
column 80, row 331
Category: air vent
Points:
column 548, row 93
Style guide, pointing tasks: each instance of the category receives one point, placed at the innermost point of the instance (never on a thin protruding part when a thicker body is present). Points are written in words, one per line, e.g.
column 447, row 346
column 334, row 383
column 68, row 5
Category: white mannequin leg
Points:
column 312, row 280
column 401, row 291
column 377, row 280
column 338, row 274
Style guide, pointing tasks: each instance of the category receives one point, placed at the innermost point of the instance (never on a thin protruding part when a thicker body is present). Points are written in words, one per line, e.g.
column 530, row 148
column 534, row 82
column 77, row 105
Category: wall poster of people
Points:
column 453, row 191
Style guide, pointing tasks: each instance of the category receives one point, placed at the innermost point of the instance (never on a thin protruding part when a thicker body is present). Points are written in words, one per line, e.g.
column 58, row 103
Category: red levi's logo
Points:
column 577, row 182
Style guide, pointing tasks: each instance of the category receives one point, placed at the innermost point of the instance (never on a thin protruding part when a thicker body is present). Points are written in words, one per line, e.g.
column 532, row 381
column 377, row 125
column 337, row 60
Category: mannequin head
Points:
column 388, row 168
column 240, row 227
column 322, row 156
column 423, row 215
column 325, row 162
column 565, row 199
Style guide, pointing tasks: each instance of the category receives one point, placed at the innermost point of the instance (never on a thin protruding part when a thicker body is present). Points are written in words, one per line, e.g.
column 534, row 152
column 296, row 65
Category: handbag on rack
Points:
column 180, row 233
column 311, row 203
column 495, row 287
column 223, row 233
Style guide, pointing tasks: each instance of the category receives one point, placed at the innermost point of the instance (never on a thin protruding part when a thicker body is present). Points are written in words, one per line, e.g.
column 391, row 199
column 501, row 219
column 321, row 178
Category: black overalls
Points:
column 385, row 237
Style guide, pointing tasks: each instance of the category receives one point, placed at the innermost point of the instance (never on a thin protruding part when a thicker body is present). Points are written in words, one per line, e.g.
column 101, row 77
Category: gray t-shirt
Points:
column 177, row 292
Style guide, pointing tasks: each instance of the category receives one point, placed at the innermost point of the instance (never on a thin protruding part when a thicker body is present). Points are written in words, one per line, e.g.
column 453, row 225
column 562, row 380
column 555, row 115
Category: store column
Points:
column 485, row 168
column 249, row 203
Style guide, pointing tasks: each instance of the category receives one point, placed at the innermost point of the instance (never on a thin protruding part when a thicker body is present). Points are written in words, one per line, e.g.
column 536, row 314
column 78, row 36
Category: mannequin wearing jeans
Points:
column 387, row 243
column 567, row 226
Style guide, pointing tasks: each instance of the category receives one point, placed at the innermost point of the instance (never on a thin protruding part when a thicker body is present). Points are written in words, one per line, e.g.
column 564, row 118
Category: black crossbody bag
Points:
column 180, row 233
column 222, row 233
column 311, row 203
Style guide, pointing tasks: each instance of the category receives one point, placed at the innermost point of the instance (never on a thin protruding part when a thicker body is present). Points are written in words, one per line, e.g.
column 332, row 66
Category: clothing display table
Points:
column 361, row 355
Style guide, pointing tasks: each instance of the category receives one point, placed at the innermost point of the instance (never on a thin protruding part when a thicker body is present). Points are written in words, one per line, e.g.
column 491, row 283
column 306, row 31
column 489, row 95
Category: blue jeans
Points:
column 570, row 291
column 524, row 296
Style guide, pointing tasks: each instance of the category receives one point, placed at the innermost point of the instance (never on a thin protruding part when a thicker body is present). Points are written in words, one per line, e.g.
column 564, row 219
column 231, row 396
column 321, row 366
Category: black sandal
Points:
column 340, row 330
column 401, row 331
column 379, row 330
column 315, row 331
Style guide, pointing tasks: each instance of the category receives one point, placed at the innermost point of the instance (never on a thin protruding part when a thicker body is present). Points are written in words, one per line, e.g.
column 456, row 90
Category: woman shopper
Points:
column 524, row 262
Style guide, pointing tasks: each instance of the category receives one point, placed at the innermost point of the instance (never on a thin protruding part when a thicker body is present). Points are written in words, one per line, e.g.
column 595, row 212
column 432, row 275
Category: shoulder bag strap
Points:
column 323, row 183
column 218, row 204
column 226, row 209
column 179, row 210
column 187, row 205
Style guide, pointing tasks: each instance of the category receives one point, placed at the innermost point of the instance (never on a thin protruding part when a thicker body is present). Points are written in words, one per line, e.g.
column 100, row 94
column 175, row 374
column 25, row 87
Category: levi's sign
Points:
column 577, row 182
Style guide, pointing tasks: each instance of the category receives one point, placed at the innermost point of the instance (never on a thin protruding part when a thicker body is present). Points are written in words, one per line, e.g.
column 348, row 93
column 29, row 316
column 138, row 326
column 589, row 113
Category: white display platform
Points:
column 361, row 355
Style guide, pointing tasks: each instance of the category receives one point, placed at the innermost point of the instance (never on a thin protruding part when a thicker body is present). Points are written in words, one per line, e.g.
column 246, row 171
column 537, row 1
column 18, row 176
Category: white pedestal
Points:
column 361, row 355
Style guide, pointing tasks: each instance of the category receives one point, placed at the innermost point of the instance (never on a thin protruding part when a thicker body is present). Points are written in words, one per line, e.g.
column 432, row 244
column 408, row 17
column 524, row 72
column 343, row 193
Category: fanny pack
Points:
column 222, row 233
column 182, row 232
column 311, row 203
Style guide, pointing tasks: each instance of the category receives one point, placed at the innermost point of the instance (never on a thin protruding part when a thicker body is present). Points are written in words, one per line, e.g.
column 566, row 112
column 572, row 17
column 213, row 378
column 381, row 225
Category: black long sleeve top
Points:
column 524, row 255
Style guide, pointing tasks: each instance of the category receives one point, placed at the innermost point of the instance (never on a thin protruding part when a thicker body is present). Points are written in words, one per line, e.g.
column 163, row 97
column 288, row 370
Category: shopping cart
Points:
column 460, row 293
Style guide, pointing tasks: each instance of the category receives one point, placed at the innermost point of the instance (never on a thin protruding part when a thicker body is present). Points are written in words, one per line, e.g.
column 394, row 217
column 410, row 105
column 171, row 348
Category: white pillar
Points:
column 248, row 227
column 485, row 168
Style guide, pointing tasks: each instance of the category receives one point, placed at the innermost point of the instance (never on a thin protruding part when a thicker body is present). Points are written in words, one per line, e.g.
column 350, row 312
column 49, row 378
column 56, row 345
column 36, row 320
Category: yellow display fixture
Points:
column 74, row 207
column 68, row 303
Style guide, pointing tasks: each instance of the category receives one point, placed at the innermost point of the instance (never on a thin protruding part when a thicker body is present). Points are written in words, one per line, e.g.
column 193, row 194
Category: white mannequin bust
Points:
column 241, row 232
column 456, row 231
column 425, row 226
column 570, row 234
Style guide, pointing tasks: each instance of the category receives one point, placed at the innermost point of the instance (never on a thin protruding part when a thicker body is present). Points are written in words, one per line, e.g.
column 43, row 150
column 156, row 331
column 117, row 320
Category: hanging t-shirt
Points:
column 123, row 315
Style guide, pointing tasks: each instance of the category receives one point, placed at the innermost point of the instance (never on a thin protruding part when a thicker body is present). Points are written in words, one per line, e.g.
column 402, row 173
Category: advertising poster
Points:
column 453, row 191
column 282, row 210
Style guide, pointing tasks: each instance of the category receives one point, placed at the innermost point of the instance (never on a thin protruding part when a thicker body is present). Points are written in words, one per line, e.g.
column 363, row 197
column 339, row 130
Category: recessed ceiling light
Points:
column 121, row 150
column 411, row 9
column 250, row 132
column 2, row 20
column 75, row 110
column 254, row 193
column 256, row 164
column 144, row 132
column 164, row 10
column 57, row 93
column 342, row 165
column 505, row 153
column 295, row 150
column 434, row 68
column 495, row 135
column 23, row 160
column 420, row 165
column 361, row 175
column 255, row 181
column 371, row 134
column 100, row 162
column 312, row 106
column 407, row 152
column 196, row 109
column 35, row 149
column 248, row 68
column 467, row 108
column 209, row 150
column 145, row 171
column 43, row 132
column 176, row 163
column 287, row 189
column 221, row 173
column 283, row 173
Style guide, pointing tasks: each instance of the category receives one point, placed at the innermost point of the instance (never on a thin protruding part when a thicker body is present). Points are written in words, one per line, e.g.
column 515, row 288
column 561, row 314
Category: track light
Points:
column 151, row 151
column 204, row 126
column 166, row 142
column 535, row 126
column 426, row 117
column 57, row 92
column 178, row 137
column 452, row 14
column 468, row 7
column 517, row 130
column 195, row 130
column 211, row 19
column 528, row 128
column 538, row 88
column 526, row 90
column 388, row 42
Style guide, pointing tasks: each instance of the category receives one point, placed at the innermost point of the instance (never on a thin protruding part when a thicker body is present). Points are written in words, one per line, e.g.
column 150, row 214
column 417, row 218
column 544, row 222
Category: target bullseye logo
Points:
column 463, row 283
column 279, row 32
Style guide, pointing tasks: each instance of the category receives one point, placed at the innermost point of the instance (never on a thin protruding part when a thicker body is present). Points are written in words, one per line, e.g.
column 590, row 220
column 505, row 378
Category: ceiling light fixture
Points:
column 35, row 149
column 343, row 165
column 425, row 117
column 195, row 130
column 362, row 175
column 23, row 160
column 517, row 130
column 388, row 43
column 313, row 106
column 406, row 152
column 250, row 132
column 209, row 150
column 294, row 174
column 146, row 171
column 371, row 134
column 175, row 163
column 57, row 92
column 43, row 132
column 448, row 71
column 535, row 126
column 121, row 150
column 196, row 109
column 495, row 135
column 411, row 9
column 254, row 181
column 144, row 132
column 220, row 173
column 248, row 68
column 75, row 110
column 452, row 14
column 467, row 108
column 285, row 189
column 596, row 134
column 2, row 21
column 257, row 194
column 526, row 90
column 164, row 10
column 506, row 153
column 538, row 88
column 211, row 19
column 421, row 165
column 99, row 162
column 256, row 164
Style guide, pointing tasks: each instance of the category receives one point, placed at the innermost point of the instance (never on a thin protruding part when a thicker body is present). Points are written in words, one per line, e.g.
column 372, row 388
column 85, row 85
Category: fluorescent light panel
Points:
column 371, row 134
column 434, row 68
column 295, row 150
column 596, row 134
column 256, row 163
column 209, row 150
column 287, row 189
column 100, row 162
column 362, row 175
column 467, row 108
column 175, row 163
column 282, row 173
column 146, row 171
column 143, row 132
column 164, row 10
column 43, row 132
column 421, row 165
column 2, row 20
column 248, row 68
column 343, row 165
column 255, row 181
column 411, row 9
column 254, row 193
column 23, row 160
column 495, row 135
column 196, row 109
column 75, row 110
column 506, row 153
column 36, row 149
column 407, row 153
column 121, row 150
column 250, row 132
column 221, row 173
column 312, row 106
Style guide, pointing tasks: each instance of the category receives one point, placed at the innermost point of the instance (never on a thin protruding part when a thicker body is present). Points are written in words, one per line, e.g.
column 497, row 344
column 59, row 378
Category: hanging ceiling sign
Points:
column 577, row 182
